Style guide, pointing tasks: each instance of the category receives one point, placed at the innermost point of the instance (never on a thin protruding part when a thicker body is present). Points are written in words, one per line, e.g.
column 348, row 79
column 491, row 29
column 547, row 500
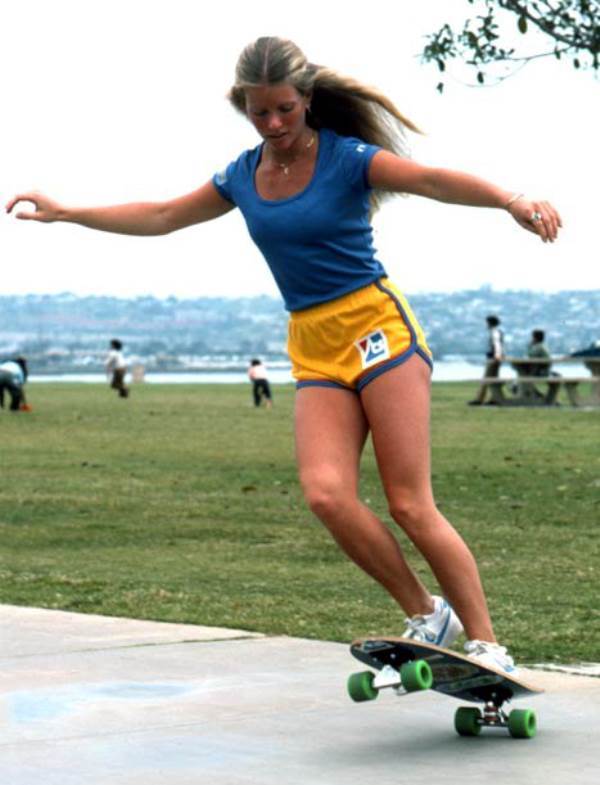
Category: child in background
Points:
column 260, row 384
column 116, row 368
column 13, row 375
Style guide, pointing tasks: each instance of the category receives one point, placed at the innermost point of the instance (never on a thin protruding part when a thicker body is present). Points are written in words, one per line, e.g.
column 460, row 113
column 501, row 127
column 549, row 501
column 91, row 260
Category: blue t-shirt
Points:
column 319, row 242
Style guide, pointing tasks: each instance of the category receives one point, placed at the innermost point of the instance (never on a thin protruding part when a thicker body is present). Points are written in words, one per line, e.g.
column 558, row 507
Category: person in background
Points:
column 260, row 383
column 593, row 350
column 538, row 350
column 494, row 355
column 116, row 368
column 13, row 375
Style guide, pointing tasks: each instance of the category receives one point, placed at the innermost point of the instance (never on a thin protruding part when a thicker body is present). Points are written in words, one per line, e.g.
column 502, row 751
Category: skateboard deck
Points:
column 408, row 666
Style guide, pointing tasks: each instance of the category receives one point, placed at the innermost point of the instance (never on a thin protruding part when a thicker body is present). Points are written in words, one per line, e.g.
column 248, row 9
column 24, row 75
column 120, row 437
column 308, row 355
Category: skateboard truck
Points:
column 387, row 677
column 390, row 677
column 469, row 720
column 411, row 677
column 493, row 715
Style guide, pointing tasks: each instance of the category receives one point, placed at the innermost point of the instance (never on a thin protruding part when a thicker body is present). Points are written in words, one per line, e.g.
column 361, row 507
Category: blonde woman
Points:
column 330, row 148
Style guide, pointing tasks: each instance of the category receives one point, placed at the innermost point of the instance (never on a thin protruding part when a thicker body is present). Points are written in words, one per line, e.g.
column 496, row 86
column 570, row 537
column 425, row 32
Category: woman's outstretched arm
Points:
column 137, row 218
column 389, row 172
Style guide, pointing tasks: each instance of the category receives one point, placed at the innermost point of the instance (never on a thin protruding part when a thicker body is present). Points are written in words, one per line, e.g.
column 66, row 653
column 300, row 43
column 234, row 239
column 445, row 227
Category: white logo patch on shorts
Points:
column 373, row 348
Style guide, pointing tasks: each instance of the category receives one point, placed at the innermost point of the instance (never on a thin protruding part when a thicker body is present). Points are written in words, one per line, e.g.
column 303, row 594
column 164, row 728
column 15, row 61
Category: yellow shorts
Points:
column 350, row 341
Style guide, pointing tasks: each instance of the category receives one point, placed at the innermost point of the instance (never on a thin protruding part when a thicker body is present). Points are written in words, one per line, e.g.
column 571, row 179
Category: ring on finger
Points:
column 535, row 217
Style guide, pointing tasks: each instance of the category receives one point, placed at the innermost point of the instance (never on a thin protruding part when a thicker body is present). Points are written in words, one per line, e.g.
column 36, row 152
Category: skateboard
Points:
column 408, row 666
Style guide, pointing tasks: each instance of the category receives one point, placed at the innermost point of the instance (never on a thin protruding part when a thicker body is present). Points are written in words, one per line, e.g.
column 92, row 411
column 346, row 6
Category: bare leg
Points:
column 331, row 429
column 397, row 407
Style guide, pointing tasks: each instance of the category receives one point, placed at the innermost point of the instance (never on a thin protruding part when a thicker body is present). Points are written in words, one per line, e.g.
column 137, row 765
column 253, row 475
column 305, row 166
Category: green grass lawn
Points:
column 182, row 504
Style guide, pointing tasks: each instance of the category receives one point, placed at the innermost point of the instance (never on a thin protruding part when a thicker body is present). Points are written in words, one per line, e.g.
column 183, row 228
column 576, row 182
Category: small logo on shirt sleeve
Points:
column 221, row 177
column 373, row 348
column 360, row 148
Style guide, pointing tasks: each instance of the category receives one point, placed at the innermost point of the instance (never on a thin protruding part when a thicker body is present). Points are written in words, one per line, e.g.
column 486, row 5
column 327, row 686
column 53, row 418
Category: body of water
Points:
column 444, row 371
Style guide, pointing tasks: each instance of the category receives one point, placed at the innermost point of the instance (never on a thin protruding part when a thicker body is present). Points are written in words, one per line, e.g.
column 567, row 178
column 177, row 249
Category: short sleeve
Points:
column 223, row 182
column 355, row 157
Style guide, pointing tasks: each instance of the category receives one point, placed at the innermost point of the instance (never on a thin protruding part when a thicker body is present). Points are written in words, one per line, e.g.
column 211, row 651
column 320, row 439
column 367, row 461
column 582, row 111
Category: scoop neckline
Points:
column 300, row 193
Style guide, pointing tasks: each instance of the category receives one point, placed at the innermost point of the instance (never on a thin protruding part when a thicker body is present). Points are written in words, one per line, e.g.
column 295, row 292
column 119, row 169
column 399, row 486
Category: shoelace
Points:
column 416, row 627
column 478, row 647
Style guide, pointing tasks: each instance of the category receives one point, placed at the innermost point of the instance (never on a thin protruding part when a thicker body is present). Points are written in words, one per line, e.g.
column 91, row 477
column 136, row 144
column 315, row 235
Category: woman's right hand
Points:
column 135, row 218
column 46, row 210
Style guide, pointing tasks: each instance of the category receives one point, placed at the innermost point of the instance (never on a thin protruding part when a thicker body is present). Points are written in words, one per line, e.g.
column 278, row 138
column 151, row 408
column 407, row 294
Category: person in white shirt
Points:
column 116, row 368
column 494, row 357
column 13, row 375
column 260, row 384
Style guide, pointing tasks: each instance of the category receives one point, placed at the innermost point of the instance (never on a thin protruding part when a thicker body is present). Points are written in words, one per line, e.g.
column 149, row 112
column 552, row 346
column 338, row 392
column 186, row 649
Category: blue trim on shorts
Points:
column 398, row 304
column 394, row 362
column 323, row 383
column 425, row 356
column 383, row 367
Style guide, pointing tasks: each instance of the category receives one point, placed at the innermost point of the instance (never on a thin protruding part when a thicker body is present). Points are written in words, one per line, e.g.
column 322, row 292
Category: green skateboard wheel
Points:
column 416, row 675
column 360, row 687
column 467, row 721
column 522, row 724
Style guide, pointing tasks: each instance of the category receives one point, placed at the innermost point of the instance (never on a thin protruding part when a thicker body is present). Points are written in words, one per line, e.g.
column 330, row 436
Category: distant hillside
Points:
column 67, row 333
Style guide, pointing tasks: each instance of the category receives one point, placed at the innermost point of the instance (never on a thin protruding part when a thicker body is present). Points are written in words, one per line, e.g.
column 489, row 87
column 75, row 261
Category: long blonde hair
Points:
column 338, row 102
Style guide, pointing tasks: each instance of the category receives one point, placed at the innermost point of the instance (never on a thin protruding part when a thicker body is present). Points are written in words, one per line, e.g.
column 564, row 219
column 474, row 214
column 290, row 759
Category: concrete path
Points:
column 89, row 700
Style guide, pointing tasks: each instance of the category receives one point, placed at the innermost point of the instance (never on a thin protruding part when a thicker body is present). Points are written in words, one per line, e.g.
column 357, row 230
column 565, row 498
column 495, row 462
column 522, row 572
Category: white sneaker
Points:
column 442, row 627
column 491, row 654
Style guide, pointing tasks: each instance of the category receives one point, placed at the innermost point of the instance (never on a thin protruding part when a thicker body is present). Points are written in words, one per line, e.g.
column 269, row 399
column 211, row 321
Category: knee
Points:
column 326, row 495
column 412, row 513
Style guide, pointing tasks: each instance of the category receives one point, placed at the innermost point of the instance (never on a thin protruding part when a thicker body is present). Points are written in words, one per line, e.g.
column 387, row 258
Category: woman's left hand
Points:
column 541, row 218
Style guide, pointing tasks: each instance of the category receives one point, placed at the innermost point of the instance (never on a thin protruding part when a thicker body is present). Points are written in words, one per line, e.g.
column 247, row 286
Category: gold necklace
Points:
column 285, row 168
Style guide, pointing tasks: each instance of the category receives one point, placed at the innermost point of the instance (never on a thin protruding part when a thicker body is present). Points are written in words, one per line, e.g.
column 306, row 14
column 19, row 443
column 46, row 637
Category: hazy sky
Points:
column 106, row 101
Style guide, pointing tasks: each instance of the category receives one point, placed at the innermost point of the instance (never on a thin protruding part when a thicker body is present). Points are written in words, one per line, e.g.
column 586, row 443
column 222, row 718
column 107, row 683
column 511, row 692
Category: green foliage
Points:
column 182, row 504
column 572, row 27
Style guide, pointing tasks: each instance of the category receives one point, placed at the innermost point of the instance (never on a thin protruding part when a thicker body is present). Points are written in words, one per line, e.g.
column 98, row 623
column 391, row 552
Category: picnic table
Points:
column 536, row 384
